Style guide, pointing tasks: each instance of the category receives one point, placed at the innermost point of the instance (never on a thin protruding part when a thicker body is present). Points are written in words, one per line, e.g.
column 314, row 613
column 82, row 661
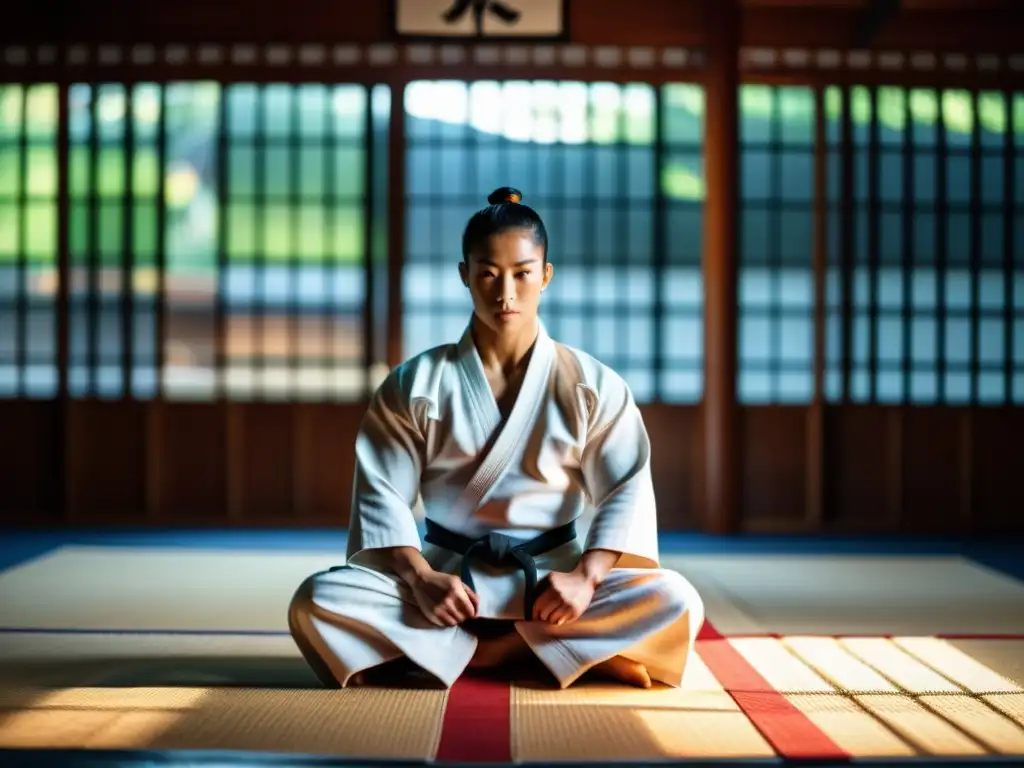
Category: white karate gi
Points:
column 434, row 432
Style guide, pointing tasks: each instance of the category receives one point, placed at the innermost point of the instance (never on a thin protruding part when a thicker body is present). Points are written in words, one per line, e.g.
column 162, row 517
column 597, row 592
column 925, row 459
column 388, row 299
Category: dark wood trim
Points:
column 62, row 500
column 220, row 320
column 155, row 432
column 908, row 236
column 1010, row 224
column 941, row 246
column 91, row 260
column 128, row 250
column 847, row 233
column 370, row 150
column 874, row 214
column 659, row 237
column 21, row 304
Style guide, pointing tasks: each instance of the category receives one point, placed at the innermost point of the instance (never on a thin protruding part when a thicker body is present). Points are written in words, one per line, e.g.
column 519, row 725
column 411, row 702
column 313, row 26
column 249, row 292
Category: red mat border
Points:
column 790, row 732
column 477, row 723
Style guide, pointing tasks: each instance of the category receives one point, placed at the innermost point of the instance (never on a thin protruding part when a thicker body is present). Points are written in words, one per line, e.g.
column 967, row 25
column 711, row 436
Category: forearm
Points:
column 596, row 563
column 407, row 562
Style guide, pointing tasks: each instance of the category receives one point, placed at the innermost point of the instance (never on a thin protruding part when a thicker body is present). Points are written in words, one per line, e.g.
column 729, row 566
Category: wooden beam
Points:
column 721, row 150
column 977, row 28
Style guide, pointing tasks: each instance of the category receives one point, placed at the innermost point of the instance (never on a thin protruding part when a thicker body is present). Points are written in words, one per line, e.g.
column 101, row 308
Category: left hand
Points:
column 565, row 598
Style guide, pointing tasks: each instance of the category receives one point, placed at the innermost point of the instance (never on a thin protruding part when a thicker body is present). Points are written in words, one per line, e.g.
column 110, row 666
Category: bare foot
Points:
column 625, row 670
column 494, row 652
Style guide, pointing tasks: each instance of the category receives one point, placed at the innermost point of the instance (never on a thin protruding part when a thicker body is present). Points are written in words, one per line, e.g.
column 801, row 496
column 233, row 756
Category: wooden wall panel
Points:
column 677, row 463
column 106, row 460
column 325, row 436
column 30, row 465
column 918, row 470
column 931, row 479
column 858, row 467
column 261, row 458
column 998, row 470
column 774, row 474
column 192, row 462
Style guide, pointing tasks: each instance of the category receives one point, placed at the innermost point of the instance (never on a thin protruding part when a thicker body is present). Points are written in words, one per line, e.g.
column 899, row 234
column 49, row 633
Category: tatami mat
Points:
column 746, row 697
column 188, row 649
column 151, row 588
column 599, row 721
column 368, row 722
column 854, row 594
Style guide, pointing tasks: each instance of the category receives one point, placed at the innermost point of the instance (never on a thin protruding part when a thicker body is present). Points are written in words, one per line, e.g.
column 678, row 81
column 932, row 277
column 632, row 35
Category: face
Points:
column 505, row 277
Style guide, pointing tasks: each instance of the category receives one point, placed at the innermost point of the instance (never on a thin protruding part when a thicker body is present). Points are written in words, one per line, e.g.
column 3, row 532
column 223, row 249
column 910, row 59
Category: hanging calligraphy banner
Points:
column 489, row 19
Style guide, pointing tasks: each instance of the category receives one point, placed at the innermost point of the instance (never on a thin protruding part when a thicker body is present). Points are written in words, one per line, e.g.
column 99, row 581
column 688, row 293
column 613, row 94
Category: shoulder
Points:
column 418, row 378
column 602, row 382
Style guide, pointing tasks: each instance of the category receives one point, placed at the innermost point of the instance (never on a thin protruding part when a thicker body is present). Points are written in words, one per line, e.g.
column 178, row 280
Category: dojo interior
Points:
column 796, row 227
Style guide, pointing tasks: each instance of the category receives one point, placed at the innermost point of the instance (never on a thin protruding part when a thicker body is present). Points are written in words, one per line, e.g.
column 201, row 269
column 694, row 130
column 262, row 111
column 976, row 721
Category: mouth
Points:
column 506, row 313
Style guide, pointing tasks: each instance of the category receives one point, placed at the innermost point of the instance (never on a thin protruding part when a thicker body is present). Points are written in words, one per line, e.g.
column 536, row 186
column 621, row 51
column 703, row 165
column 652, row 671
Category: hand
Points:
column 444, row 599
column 565, row 599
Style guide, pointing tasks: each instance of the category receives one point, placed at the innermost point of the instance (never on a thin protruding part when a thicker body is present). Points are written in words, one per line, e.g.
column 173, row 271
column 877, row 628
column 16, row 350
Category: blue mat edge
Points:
column 64, row 757
column 1005, row 555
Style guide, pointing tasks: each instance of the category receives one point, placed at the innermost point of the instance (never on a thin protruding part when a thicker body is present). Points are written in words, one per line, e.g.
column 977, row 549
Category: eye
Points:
column 524, row 273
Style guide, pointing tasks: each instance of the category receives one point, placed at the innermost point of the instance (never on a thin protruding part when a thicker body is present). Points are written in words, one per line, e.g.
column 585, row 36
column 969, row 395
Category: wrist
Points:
column 410, row 566
column 418, row 574
column 595, row 565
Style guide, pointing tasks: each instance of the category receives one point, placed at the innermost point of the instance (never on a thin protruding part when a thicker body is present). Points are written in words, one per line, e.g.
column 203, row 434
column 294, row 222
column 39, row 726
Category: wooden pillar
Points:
column 721, row 171
column 396, row 224
column 815, row 501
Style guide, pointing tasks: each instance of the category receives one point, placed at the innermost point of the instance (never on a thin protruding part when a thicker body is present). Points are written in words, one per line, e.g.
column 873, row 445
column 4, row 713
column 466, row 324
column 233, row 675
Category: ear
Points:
column 549, row 272
column 464, row 273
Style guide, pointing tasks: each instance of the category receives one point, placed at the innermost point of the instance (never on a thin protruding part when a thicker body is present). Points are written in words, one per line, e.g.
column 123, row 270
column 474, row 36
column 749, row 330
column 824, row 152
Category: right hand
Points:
column 444, row 599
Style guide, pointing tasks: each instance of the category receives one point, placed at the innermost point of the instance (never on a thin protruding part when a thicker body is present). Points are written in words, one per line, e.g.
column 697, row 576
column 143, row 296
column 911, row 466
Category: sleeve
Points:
column 616, row 468
column 388, row 465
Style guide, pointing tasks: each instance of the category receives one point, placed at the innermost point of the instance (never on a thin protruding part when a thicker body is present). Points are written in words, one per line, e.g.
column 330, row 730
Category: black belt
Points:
column 499, row 550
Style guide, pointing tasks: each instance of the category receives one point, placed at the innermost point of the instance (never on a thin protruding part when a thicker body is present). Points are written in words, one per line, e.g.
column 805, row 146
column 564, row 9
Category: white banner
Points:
column 480, row 18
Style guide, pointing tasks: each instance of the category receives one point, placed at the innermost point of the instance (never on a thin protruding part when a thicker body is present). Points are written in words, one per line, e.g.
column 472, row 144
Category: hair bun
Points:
column 505, row 195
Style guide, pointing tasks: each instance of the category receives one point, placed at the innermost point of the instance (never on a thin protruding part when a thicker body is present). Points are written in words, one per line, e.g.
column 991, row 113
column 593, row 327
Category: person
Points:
column 505, row 437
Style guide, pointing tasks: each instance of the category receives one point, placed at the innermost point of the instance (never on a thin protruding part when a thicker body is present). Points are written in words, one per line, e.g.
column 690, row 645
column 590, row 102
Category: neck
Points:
column 503, row 351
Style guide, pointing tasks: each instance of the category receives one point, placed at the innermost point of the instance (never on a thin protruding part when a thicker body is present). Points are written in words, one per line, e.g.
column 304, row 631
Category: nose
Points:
column 507, row 289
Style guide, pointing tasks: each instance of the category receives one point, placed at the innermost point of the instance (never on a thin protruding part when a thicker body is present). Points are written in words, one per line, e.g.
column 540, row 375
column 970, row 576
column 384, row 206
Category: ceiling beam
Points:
column 875, row 16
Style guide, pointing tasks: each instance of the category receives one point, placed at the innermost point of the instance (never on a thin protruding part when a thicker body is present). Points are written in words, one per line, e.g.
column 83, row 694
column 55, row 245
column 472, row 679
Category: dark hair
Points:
column 506, row 211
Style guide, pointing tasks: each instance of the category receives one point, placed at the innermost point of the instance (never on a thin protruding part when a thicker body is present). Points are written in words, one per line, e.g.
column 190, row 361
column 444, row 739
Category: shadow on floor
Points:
column 164, row 671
